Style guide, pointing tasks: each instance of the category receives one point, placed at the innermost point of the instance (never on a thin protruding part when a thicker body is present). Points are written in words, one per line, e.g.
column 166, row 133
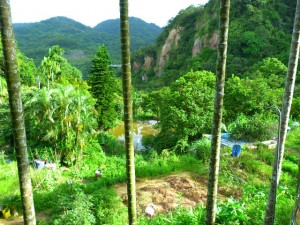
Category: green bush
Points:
column 201, row 149
column 74, row 207
column 255, row 204
column 231, row 212
column 253, row 128
column 292, row 158
column 108, row 207
column 110, row 144
column 290, row 167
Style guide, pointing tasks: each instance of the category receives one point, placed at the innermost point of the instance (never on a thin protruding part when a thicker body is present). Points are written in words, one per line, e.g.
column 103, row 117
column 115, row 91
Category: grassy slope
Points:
column 246, row 179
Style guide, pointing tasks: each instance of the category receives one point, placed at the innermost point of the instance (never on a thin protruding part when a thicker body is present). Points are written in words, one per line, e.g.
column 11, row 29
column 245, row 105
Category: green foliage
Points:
column 108, row 207
column 27, row 70
column 5, row 117
column 292, row 158
column 295, row 110
column 231, row 212
column 290, row 167
column 62, row 118
column 68, row 197
column 254, row 201
column 258, row 29
column 180, row 216
column 293, row 141
column 271, row 69
column 258, row 127
column 189, row 102
column 55, row 68
column 201, row 149
column 205, row 60
column 9, row 174
column 110, row 144
column 45, row 179
column 248, row 97
column 26, row 67
column 104, row 88
column 74, row 207
column 80, row 41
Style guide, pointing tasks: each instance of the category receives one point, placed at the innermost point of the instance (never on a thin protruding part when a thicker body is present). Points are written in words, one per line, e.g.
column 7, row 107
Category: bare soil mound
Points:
column 168, row 192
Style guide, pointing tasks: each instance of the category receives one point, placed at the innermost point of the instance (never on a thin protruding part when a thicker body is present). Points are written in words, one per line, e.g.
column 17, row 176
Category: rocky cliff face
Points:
column 211, row 42
column 190, row 40
column 171, row 42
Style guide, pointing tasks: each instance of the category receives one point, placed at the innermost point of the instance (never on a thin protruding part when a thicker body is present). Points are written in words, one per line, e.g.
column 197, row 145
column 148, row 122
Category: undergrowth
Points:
column 74, row 194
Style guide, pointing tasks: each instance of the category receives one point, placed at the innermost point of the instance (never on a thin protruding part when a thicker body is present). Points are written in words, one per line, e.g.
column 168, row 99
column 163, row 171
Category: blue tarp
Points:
column 226, row 142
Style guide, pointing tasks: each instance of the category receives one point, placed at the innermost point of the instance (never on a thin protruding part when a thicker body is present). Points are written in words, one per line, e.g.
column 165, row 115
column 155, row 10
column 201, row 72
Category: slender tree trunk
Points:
column 13, row 86
column 217, row 117
column 285, row 114
column 128, row 120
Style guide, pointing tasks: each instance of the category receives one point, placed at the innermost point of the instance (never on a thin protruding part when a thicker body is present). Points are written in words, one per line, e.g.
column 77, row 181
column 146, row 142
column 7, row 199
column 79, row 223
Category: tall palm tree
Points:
column 16, row 108
column 285, row 114
column 128, row 120
column 217, row 116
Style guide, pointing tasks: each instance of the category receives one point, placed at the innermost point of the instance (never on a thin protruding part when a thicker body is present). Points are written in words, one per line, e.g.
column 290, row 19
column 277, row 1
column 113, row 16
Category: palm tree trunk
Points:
column 15, row 101
column 128, row 120
column 217, row 117
column 285, row 112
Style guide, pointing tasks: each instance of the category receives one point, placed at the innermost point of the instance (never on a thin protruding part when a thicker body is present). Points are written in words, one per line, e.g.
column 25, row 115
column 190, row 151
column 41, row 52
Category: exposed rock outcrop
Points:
column 212, row 42
column 147, row 62
column 171, row 42
column 196, row 47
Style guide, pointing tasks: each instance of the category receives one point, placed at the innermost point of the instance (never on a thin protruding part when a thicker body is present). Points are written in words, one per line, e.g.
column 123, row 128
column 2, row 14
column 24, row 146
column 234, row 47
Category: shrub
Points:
column 253, row 128
column 231, row 211
column 290, row 167
column 75, row 208
column 108, row 207
column 201, row 149
column 110, row 144
column 292, row 158
column 255, row 200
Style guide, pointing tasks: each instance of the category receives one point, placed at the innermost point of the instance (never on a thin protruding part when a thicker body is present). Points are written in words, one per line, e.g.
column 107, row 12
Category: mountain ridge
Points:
column 77, row 39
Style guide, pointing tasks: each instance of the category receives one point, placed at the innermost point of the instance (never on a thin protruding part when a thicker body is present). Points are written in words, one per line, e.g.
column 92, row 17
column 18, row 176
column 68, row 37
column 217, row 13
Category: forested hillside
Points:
column 258, row 29
column 80, row 42
column 74, row 150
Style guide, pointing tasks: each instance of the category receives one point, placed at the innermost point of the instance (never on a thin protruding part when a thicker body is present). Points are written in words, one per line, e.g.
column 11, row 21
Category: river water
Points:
column 140, row 128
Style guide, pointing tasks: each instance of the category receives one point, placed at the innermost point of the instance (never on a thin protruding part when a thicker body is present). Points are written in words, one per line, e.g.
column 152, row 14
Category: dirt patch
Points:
column 18, row 220
column 168, row 192
column 12, row 221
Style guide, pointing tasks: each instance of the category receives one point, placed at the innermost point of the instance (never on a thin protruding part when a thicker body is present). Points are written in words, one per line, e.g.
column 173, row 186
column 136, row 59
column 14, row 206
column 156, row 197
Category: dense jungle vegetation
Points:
column 69, row 114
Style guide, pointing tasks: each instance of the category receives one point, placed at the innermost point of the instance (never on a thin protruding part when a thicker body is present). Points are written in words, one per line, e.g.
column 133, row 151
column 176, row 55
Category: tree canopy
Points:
column 104, row 88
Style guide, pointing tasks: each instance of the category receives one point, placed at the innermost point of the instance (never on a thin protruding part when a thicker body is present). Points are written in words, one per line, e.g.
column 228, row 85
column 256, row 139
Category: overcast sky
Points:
column 92, row 12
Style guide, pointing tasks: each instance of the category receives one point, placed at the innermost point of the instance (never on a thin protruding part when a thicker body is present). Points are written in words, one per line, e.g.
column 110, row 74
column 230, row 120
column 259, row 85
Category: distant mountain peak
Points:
column 34, row 39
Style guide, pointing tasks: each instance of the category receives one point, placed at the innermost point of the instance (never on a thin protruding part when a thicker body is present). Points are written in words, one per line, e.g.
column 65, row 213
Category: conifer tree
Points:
column 104, row 88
